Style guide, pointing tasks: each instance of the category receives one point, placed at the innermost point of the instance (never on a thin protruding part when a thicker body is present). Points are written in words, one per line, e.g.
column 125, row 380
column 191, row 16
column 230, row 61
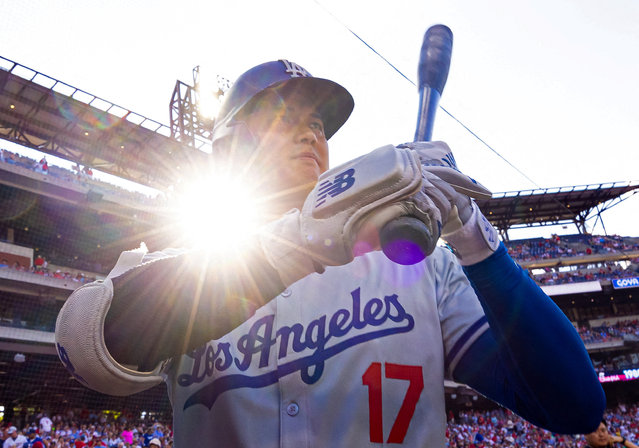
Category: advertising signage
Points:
column 620, row 283
column 623, row 375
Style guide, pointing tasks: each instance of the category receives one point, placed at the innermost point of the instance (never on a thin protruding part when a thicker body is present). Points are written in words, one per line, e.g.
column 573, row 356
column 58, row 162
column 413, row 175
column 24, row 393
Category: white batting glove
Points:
column 465, row 228
column 358, row 196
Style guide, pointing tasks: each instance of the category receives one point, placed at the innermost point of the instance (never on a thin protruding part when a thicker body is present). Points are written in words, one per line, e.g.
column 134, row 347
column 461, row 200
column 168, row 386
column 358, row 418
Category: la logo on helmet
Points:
column 295, row 70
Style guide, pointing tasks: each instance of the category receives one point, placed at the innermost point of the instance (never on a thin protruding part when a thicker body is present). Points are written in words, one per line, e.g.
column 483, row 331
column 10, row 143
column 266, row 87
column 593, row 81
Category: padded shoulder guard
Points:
column 79, row 336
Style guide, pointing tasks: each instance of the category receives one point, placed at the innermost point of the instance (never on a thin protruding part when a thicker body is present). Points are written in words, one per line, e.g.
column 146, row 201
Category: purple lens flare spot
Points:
column 404, row 252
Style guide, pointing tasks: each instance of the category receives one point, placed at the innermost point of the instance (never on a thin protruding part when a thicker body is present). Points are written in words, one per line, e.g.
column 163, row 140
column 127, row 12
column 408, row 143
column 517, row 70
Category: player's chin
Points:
column 307, row 170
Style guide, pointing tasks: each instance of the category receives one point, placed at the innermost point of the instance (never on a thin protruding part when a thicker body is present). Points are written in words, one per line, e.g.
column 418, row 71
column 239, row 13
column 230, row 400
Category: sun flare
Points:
column 218, row 213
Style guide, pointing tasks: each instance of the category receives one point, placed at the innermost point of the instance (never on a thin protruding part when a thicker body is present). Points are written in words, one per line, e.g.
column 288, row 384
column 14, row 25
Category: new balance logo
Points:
column 340, row 183
column 449, row 160
column 295, row 70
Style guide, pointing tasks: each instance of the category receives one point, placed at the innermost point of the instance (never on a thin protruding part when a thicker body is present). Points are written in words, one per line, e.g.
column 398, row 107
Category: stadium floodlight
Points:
column 209, row 94
column 193, row 108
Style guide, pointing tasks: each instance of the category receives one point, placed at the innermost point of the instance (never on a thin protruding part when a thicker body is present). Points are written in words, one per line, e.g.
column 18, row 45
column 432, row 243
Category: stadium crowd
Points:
column 536, row 249
column 497, row 428
column 85, row 428
column 78, row 175
column 41, row 268
column 605, row 333
column 556, row 247
column 501, row 428
column 607, row 271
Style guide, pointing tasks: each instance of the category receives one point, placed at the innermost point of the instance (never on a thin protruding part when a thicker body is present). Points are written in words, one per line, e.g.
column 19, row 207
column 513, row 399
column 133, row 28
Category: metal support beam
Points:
column 188, row 125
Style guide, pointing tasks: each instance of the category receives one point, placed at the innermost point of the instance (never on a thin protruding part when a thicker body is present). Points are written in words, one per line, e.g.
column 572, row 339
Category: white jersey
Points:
column 17, row 442
column 354, row 357
column 45, row 424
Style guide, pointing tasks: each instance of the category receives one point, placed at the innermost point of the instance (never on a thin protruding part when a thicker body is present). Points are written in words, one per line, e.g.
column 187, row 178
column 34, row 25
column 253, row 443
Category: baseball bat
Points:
column 406, row 240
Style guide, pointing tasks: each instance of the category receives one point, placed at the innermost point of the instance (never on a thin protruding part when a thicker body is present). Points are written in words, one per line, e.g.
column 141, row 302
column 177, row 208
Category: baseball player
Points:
column 308, row 335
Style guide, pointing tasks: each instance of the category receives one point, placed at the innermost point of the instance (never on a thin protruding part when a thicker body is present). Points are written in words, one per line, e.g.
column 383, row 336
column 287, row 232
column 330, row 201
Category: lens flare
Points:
column 94, row 119
column 218, row 213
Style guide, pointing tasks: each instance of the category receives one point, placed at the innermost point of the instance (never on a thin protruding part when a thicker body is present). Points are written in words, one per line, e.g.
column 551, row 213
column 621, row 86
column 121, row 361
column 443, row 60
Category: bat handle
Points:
column 406, row 240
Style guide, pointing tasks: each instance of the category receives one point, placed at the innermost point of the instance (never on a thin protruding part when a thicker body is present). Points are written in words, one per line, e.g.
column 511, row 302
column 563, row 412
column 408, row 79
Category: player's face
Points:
column 598, row 438
column 292, row 150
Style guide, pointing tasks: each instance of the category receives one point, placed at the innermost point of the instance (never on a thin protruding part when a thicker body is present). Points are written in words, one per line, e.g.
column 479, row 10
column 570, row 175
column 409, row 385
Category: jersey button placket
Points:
column 294, row 424
column 292, row 409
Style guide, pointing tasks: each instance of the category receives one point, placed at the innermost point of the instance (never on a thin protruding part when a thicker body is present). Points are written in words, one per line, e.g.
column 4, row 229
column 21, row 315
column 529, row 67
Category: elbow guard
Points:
column 79, row 336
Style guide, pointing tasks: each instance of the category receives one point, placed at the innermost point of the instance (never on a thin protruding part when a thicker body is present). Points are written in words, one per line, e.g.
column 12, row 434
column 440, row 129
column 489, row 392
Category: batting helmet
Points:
column 335, row 104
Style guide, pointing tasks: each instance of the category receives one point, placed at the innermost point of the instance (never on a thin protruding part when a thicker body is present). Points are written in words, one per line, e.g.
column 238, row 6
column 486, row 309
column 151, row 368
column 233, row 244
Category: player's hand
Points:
column 464, row 226
column 438, row 160
column 347, row 202
column 614, row 438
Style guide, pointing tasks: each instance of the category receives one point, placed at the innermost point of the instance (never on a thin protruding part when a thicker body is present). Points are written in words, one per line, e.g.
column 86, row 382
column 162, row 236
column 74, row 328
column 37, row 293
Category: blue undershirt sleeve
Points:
column 532, row 359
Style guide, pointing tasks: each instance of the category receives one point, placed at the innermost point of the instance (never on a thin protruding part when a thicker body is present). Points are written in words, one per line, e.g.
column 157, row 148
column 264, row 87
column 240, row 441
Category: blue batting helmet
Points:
column 335, row 104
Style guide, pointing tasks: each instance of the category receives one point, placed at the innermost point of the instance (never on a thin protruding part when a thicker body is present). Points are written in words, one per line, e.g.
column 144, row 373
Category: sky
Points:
column 550, row 85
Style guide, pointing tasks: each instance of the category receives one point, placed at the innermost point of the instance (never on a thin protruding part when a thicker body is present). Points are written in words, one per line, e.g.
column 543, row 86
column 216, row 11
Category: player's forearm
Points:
column 538, row 342
column 621, row 441
column 172, row 305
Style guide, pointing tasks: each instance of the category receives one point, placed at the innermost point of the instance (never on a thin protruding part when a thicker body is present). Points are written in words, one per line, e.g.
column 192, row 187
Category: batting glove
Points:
column 465, row 228
column 348, row 204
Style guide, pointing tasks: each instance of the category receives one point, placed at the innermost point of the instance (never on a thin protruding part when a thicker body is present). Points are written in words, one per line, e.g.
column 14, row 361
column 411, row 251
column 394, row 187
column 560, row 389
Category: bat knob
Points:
column 406, row 240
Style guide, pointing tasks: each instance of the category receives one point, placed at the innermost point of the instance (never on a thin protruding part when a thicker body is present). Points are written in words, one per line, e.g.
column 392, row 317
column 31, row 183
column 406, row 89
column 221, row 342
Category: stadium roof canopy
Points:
column 53, row 117
column 550, row 206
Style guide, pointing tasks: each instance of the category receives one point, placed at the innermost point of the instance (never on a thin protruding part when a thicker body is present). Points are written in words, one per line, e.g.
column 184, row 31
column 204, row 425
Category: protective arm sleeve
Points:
column 532, row 359
column 172, row 305
column 115, row 335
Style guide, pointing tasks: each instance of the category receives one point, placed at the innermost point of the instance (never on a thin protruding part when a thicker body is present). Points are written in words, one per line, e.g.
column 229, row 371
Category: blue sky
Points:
column 551, row 85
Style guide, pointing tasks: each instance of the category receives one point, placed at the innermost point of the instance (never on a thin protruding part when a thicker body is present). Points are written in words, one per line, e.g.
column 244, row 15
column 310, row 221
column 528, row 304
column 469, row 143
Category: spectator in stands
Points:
column 80, row 442
column 601, row 438
column 148, row 435
column 34, row 440
column 9, row 157
column 42, row 166
column 127, row 435
column 14, row 440
column 157, row 431
column 155, row 443
column 38, row 263
column 98, row 442
column 45, row 425
column 113, row 439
